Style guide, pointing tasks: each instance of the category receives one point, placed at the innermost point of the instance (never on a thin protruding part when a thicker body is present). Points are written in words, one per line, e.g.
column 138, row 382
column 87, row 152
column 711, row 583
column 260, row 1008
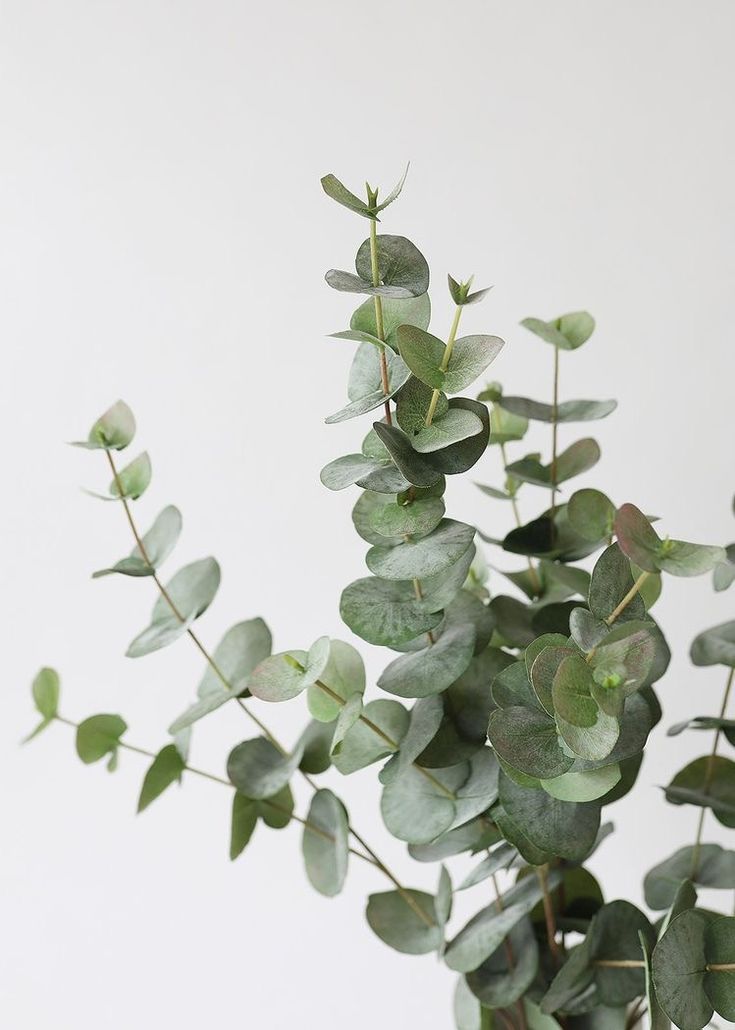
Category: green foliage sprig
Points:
column 507, row 719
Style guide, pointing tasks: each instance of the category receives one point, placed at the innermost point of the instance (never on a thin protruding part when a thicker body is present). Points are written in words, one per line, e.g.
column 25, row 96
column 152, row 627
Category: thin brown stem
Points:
column 554, row 428
column 312, row 827
column 636, row 1014
column 620, row 963
column 535, row 580
column 509, row 952
column 720, row 967
column 380, row 328
column 708, row 774
column 549, row 915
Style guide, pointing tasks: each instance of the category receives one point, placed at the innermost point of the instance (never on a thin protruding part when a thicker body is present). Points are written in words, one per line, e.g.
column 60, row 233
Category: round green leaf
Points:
column 259, row 770
column 344, row 674
column 591, row 514
column 707, row 782
column 134, row 479
column 364, row 743
column 678, row 965
column 158, row 542
column 712, row 866
column 567, row 411
column 412, row 311
column 432, row 669
column 325, row 843
column 393, row 520
column 430, row 555
column 715, row 646
column 113, row 430
column 527, row 739
column 385, row 612
column 167, row 768
column 398, row 924
column 567, row 332
column 99, row 735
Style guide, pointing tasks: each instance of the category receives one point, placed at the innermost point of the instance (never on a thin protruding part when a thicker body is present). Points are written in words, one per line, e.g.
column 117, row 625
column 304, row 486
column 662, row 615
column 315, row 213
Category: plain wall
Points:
column 164, row 239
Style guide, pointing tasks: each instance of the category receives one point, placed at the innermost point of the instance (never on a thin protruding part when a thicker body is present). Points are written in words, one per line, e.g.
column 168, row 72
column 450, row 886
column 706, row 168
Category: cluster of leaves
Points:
column 512, row 718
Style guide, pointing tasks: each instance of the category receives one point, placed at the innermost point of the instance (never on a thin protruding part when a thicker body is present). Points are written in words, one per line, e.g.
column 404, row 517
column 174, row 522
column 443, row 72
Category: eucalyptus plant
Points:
column 515, row 706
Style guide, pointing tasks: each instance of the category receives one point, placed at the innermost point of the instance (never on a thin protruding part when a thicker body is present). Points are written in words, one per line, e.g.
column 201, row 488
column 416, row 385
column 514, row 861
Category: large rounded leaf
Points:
column 428, row 556
column 385, row 612
column 399, row 925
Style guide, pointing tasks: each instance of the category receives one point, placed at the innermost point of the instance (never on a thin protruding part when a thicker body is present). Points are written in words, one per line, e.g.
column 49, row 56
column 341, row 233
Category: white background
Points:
column 164, row 238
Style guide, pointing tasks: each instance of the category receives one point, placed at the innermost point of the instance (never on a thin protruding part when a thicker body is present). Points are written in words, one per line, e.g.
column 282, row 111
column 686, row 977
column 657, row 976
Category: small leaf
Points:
column 460, row 292
column 711, row 866
column 715, row 646
column 583, row 786
column 284, row 676
column 259, row 770
column 112, row 431
column 707, row 783
column 191, row 591
column 158, row 542
column 337, row 191
column 362, row 745
column 365, row 387
column 99, row 735
column 398, row 924
column 566, row 332
column 344, row 674
column 588, row 731
column 640, row 542
column 324, row 843
column 167, row 768
column 567, row 411
column 424, row 355
column 415, row 467
column 45, row 690
column 395, row 192
column 611, row 582
column 579, row 457
column 275, row 812
column 412, row 311
column 244, row 646
column 591, row 514
column 134, row 479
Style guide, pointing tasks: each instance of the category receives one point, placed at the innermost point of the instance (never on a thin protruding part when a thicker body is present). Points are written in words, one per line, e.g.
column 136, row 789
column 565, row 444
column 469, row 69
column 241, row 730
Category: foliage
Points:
column 514, row 710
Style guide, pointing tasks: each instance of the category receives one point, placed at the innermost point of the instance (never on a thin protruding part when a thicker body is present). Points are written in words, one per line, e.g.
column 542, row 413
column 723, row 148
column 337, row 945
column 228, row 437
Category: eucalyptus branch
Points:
column 269, row 802
column 517, row 728
column 708, row 775
column 375, row 269
column 554, row 431
column 223, row 679
column 509, row 953
column 533, row 571
column 542, row 873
